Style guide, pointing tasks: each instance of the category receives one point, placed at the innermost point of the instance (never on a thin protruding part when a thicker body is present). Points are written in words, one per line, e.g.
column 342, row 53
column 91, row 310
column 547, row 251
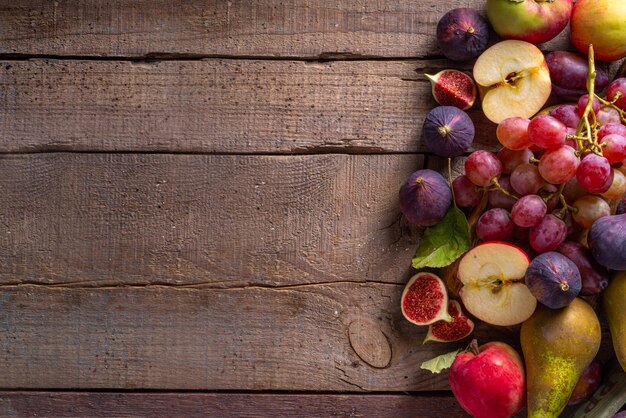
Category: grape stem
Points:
column 622, row 112
column 585, row 124
column 566, row 207
column 499, row 187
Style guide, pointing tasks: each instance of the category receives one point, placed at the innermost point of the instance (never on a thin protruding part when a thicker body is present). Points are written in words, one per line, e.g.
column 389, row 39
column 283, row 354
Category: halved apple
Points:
column 493, row 284
column 513, row 79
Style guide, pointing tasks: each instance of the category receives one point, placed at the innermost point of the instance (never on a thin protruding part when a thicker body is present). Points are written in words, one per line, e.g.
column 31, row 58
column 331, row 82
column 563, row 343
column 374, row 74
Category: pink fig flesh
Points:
column 460, row 326
column 425, row 300
column 453, row 88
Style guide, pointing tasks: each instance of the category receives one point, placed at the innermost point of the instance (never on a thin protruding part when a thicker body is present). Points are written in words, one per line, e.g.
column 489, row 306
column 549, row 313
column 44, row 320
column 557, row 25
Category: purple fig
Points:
column 553, row 279
column 448, row 131
column 607, row 241
column 462, row 34
column 594, row 277
column 425, row 197
column 453, row 88
column 568, row 72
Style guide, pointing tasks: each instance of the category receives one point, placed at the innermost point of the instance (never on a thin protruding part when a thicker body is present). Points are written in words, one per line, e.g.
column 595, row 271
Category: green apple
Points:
column 533, row 21
column 601, row 23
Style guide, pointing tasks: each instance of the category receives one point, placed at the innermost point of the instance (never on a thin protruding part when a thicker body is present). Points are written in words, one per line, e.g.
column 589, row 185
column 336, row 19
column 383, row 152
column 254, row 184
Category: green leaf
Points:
column 445, row 242
column 440, row 363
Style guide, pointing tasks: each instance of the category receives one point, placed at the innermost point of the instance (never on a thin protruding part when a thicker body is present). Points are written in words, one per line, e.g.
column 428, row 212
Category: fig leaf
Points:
column 445, row 242
column 439, row 363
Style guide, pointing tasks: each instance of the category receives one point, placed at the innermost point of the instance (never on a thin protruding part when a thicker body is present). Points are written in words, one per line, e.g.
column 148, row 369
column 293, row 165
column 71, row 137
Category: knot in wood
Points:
column 370, row 343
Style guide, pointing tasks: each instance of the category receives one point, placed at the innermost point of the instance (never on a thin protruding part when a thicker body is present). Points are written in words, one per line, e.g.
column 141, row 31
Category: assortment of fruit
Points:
column 544, row 247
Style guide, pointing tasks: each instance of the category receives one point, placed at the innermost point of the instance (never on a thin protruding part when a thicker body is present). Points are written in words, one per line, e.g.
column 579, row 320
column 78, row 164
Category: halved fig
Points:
column 425, row 300
column 460, row 326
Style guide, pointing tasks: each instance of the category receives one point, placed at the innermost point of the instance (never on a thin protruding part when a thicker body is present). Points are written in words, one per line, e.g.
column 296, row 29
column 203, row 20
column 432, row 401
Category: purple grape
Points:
column 494, row 225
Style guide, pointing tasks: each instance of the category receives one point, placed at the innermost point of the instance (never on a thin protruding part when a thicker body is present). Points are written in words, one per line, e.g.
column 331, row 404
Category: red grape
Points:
column 525, row 179
column 528, row 211
column 494, row 225
column 607, row 115
column 511, row 159
column 590, row 208
column 481, row 167
column 618, row 186
column 594, row 173
column 559, row 165
column 617, row 85
column 497, row 199
column 465, row 193
column 568, row 114
column 548, row 234
column 615, row 148
column 551, row 189
column 513, row 133
column 573, row 190
column 582, row 103
column 546, row 131
column 611, row 128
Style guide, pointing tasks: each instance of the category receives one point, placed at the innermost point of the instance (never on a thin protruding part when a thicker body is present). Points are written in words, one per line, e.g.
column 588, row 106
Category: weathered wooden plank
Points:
column 262, row 28
column 218, row 106
column 246, row 338
column 214, row 220
column 135, row 405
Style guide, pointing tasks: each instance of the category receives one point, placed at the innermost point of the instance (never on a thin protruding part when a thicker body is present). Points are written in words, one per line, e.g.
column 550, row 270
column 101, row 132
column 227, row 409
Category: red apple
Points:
column 601, row 23
column 532, row 21
column 489, row 381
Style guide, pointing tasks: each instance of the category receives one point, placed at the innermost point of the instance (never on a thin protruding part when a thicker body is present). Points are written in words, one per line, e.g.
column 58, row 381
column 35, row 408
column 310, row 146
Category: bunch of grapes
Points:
column 556, row 175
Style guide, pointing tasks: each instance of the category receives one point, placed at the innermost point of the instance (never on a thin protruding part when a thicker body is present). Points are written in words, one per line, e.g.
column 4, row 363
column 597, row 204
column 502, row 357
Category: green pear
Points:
column 614, row 301
column 557, row 344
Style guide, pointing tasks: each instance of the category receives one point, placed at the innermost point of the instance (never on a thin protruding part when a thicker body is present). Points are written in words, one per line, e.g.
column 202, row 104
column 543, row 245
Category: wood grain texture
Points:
column 219, row 106
column 244, row 338
column 203, row 220
column 226, row 405
column 215, row 27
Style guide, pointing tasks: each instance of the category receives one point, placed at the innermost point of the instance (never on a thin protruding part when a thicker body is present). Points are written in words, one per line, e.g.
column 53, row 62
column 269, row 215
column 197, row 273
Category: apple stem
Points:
column 473, row 347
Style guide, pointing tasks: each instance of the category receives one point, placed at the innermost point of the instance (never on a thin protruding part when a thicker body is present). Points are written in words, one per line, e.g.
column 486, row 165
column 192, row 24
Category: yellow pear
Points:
column 557, row 345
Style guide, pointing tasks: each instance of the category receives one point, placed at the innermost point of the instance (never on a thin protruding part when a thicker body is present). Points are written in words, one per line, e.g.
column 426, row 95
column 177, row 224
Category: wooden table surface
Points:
column 198, row 207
